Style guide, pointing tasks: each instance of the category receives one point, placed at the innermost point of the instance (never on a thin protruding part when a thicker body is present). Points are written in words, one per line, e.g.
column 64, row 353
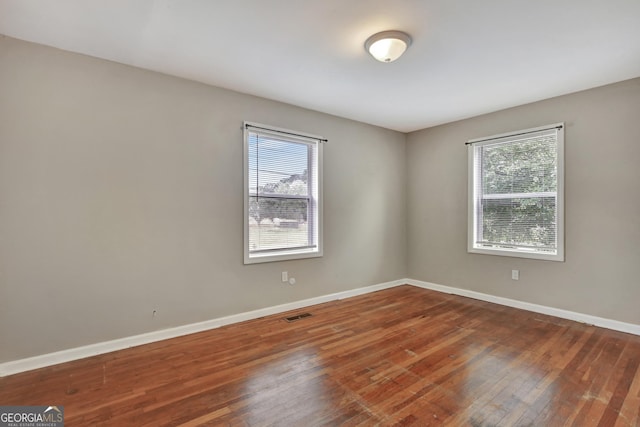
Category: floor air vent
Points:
column 297, row 317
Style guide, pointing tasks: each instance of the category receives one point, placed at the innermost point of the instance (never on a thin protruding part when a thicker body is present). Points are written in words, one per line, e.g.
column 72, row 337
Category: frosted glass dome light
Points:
column 387, row 46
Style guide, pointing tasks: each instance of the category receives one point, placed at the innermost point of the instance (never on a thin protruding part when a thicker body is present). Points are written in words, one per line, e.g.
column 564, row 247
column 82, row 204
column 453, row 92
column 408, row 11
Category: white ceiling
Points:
column 468, row 57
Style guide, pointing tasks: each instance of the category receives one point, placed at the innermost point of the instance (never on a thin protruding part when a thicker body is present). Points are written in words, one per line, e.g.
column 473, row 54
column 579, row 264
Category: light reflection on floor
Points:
column 287, row 389
column 512, row 388
column 295, row 388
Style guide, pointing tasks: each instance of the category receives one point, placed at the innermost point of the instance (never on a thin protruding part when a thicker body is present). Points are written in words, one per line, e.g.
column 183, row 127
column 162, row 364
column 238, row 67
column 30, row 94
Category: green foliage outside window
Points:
column 518, row 188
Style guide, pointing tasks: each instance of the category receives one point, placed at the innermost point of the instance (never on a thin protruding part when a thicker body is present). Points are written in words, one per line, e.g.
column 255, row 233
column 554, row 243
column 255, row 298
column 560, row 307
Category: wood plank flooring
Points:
column 403, row 356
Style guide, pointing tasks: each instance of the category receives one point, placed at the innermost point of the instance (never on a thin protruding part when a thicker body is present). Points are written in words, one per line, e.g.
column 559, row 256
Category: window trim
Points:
column 316, row 214
column 472, row 176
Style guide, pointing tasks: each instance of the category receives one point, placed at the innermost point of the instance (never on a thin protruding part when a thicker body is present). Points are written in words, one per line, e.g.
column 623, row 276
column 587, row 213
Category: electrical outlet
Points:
column 292, row 281
column 155, row 313
column 515, row 274
column 285, row 276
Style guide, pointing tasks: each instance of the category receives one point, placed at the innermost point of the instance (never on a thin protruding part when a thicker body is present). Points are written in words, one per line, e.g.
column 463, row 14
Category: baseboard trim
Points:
column 36, row 362
column 615, row 325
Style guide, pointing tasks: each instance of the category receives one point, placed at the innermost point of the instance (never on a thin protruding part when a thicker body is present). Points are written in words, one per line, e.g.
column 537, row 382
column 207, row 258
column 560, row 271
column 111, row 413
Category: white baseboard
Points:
column 22, row 365
column 557, row 312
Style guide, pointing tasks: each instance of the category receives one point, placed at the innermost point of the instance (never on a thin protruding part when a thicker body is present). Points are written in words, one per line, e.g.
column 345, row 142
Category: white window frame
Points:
column 314, row 219
column 474, row 175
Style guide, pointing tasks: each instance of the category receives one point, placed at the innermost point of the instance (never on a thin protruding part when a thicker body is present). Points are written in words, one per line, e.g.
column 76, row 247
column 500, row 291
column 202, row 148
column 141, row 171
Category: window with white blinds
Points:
column 283, row 203
column 516, row 194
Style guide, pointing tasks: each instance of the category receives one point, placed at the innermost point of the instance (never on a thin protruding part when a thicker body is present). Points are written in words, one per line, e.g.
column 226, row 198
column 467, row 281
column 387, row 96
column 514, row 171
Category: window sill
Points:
column 282, row 256
column 559, row 257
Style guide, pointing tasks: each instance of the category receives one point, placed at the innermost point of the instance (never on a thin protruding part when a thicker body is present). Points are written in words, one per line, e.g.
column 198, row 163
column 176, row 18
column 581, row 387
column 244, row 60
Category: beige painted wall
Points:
column 601, row 275
column 121, row 193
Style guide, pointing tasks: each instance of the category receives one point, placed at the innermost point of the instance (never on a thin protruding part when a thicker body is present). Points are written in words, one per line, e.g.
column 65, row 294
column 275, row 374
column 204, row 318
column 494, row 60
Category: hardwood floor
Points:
column 402, row 356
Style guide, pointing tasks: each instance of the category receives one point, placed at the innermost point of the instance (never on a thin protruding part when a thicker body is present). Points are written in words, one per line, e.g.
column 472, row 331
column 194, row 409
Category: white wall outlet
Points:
column 292, row 281
column 515, row 274
column 285, row 276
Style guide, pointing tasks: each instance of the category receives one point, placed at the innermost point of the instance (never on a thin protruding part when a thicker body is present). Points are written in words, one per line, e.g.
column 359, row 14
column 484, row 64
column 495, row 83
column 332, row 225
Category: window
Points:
column 516, row 194
column 282, row 194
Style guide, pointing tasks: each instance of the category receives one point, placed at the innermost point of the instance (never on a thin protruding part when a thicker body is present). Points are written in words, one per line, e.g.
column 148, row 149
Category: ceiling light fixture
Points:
column 387, row 46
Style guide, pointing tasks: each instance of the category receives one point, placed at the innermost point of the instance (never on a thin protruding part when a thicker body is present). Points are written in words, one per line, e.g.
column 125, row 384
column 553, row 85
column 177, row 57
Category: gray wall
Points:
column 121, row 192
column 601, row 275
